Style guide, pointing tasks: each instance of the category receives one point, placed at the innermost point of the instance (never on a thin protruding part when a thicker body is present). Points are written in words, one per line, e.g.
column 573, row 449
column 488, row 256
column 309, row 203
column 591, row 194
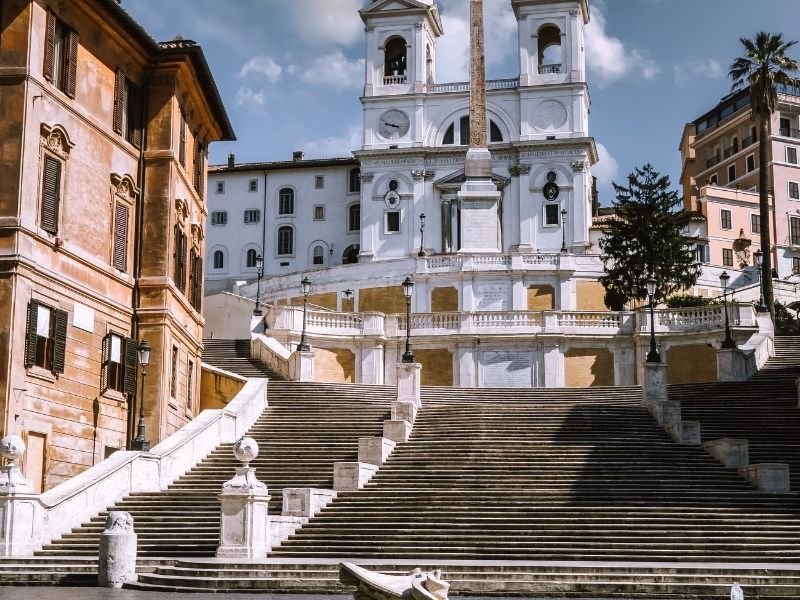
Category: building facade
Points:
column 102, row 217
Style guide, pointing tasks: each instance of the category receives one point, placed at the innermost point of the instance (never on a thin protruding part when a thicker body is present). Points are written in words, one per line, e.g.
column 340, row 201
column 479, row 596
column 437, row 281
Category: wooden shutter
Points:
column 131, row 360
column 49, row 46
column 135, row 114
column 30, row 339
column 121, row 237
column 179, row 274
column 59, row 340
column 72, row 63
column 182, row 147
column 119, row 102
column 198, row 283
column 106, row 354
column 51, row 190
column 198, row 169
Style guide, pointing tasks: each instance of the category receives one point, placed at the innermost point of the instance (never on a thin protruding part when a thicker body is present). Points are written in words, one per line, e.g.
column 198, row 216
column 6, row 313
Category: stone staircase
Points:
column 234, row 356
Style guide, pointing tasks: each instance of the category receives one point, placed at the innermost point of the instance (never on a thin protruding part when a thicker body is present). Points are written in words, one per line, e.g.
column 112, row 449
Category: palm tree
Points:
column 764, row 68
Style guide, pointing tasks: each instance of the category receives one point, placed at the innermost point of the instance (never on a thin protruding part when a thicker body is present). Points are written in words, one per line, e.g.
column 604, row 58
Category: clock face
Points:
column 393, row 124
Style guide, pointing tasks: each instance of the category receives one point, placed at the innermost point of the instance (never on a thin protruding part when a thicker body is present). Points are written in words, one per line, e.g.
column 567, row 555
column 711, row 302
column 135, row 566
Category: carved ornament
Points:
column 182, row 209
column 119, row 522
column 56, row 139
column 124, row 187
column 579, row 166
column 367, row 176
column 198, row 234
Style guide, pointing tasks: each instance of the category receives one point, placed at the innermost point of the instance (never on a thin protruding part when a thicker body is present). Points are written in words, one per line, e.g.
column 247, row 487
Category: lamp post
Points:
column 304, row 347
column 408, row 290
column 140, row 442
column 652, row 356
column 347, row 295
column 563, row 231
column 728, row 341
column 421, row 235
column 260, row 270
column 759, row 255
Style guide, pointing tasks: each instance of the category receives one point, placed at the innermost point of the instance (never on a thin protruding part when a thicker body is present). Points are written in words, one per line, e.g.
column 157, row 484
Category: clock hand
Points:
column 393, row 125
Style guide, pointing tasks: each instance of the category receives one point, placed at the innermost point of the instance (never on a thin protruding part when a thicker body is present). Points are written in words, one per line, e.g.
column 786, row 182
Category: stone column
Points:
column 20, row 509
column 244, row 522
column 654, row 387
column 731, row 365
column 116, row 563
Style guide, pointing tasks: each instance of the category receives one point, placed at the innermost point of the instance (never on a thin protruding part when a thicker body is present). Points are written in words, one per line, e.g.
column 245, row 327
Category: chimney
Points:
column 231, row 160
column 297, row 155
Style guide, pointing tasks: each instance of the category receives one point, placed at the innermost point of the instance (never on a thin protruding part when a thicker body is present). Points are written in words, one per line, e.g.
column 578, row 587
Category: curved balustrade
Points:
column 602, row 320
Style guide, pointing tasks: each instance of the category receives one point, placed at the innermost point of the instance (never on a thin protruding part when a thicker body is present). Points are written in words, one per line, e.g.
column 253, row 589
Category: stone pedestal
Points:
column 116, row 563
column 731, row 365
column 409, row 376
column 397, row 431
column 374, row 450
column 351, row 476
column 685, row 433
column 304, row 502
column 404, row 410
column 479, row 219
column 19, row 513
column 770, row 478
column 244, row 521
column 666, row 412
column 654, row 387
column 731, row 452
column 301, row 366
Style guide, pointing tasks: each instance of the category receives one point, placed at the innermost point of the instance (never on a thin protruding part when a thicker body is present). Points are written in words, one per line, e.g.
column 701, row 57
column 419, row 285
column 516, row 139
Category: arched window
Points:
column 395, row 62
column 319, row 255
column 549, row 49
column 449, row 135
column 285, row 240
column 495, row 135
column 354, row 184
column 251, row 258
column 464, row 129
column 350, row 255
column 286, row 201
column 219, row 259
column 354, row 217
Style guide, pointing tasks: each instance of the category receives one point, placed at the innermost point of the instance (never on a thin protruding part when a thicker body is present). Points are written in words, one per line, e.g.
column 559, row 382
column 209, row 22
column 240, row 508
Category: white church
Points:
column 502, row 250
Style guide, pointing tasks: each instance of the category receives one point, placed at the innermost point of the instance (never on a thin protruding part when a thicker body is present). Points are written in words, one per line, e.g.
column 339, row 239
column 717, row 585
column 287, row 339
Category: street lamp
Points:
column 652, row 356
column 408, row 290
column 728, row 341
column 421, row 235
column 759, row 255
column 563, row 231
column 260, row 271
column 304, row 347
column 347, row 295
column 140, row 442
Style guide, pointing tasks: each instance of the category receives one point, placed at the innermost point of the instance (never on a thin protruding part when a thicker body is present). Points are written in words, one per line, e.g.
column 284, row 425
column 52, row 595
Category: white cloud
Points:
column 261, row 66
column 607, row 57
column 335, row 70
column 337, row 23
column 248, row 98
column 333, row 146
column 710, row 68
column 606, row 169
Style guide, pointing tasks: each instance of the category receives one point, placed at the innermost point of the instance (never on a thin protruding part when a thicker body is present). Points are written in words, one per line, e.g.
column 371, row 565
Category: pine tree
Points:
column 645, row 238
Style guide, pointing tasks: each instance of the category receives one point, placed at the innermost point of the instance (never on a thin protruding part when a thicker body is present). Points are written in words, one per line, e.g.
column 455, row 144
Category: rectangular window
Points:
column 220, row 187
column 46, row 337
column 702, row 253
column 785, row 126
column 252, row 215
column 731, row 173
column 120, row 258
column 219, row 217
column 173, row 382
column 179, row 259
column 252, row 185
column 189, row 384
column 286, row 201
column 354, row 217
column 714, row 180
column 118, row 371
column 794, row 231
column 755, row 223
column 285, row 240
column 751, row 163
column 794, row 190
column 727, row 257
column 126, row 109
column 199, row 167
column 725, row 221
column 319, row 182
column 195, row 281
column 60, row 55
column 354, row 183
column 550, row 215
column 392, row 221
column 51, row 194
column 796, row 265
column 791, row 155
column 319, row 213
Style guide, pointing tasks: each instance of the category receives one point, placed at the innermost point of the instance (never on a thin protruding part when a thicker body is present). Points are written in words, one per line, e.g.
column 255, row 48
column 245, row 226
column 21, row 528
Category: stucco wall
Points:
column 541, row 297
column 385, row 299
column 589, row 295
column 437, row 366
column 692, row 363
column 588, row 367
column 444, row 299
column 334, row 365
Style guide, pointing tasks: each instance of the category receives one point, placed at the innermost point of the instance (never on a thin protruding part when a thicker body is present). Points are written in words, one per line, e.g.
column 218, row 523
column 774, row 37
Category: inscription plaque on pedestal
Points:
column 507, row 369
column 491, row 297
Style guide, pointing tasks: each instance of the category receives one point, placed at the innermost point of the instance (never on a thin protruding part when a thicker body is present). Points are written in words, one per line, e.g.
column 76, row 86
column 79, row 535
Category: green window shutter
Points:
column 49, row 46
column 119, row 104
column 106, row 352
column 51, row 191
column 30, row 339
column 131, row 360
column 120, row 259
column 59, row 340
column 72, row 63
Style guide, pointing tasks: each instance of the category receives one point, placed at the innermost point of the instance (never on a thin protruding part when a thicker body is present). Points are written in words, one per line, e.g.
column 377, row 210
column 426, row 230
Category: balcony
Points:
column 748, row 141
column 394, row 80
column 463, row 86
column 549, row 69
column 728, row 152
column 714, row 160
column 789, row 132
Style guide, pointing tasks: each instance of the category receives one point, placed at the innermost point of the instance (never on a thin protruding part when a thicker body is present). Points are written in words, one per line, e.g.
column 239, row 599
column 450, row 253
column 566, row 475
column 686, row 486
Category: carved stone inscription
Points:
column 491, row 297
column 507, row 369
column 479, row 226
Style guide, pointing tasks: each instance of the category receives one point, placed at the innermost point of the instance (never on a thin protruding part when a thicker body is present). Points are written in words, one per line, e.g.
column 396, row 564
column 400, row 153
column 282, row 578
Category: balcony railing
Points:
column 463, row 86
column 713, row 161
column 549, row 69
column 748, row 141
column 789, row 132
column 394, row 80
column 728, row 152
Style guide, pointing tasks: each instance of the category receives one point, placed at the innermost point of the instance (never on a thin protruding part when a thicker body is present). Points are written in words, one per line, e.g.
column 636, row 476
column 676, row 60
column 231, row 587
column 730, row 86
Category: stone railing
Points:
column 454, row 263
column 394, row 80
column 698, row 318
column 463, row 86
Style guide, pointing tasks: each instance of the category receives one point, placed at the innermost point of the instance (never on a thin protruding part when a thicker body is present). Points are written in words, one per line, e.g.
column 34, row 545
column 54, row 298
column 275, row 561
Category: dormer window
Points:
column 549, row 50
column 395, row 61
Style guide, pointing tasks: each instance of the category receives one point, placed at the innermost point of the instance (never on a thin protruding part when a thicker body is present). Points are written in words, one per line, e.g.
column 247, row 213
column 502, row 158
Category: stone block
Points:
column 305, row 502
column 731, row 452
column 666, row 412
column 374, row 450
column 654, row 388
column 404, row 410
column 397, row 431
column 116, row 563
column 409, row 376
column 282, row 526
column 731, row 365
column 770, row 478
column 244, row 528
column 301, row 366
column 21, row 515
column 351, row 476
column 686, row 433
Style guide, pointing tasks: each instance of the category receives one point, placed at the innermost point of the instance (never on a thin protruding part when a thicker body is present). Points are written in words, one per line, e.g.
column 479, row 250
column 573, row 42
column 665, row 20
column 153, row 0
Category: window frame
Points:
column 732, row 173
column 280, row 246
column 723, row 213
column 318, row 208
column 50, row 212
column 220, row 187
column 173, row 379
column 794, row 230
column 545, row 209
column 750, row 163
column 286, row 200
column 796, row 265
column 354, row 181
column 351, row 209
column 793, row 185
column 123, row 380
column 389, row 215
column 319, row 182
column 250, row 213
column 318, row 255
column 252, row 185
column 250, row 264
column 48, row 355
column 755, row 223
column 60, row 66
column 727, row 257
column 219, row 218
column 794, row 151
column 219, row 252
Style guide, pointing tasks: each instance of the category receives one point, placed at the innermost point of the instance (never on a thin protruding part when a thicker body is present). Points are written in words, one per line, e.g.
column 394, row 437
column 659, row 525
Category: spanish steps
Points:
column 560, row 493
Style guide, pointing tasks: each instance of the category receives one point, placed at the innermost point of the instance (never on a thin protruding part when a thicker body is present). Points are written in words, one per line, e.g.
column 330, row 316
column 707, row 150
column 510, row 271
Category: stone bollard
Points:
column 117, row 561
column 654, row 388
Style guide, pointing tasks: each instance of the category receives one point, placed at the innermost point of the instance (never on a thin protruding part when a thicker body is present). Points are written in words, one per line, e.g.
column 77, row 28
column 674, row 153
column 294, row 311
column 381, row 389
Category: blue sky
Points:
column 291, row 71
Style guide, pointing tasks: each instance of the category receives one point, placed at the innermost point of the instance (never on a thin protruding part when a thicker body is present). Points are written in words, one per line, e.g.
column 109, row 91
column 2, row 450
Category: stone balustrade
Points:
column 671, row 320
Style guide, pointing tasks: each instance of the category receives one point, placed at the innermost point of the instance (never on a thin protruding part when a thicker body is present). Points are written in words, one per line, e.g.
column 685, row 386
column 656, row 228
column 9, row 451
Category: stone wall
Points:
column 588, row 367
column 334, row 365
column 384, row 299
column 541, row 297
column 437, row 366
column 444, row 299
column 691, row 363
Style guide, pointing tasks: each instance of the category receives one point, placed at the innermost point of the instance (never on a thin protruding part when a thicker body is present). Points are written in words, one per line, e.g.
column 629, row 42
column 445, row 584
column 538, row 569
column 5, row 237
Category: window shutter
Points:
column 198, row 169
column 121, row 237
column 182, row 147
column 30, row 339
column 106, row 352
column 135, row 118
column 131, row 360
column 49, row 46
column 72, row 63
column 198, row 284
column 51, row 188
column 179, row 274
column 119, row 93
column 60, row 340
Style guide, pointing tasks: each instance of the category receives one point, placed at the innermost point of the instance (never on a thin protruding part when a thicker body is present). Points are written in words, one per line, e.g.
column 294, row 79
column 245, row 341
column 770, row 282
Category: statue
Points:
column 378, row 586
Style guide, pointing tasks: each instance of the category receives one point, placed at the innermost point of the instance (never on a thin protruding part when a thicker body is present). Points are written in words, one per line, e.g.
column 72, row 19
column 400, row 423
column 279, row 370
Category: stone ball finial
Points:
column 245, row 449
column 12, row 448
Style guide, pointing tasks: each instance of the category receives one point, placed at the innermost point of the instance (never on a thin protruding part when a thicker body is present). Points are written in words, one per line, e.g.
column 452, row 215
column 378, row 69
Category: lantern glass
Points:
column 651, row 286
column 408, row 287
column 144, row 353
column 724, row 278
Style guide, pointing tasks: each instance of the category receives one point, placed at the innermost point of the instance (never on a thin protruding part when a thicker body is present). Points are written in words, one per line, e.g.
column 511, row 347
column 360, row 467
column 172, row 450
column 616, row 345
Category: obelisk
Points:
column 478, row 199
